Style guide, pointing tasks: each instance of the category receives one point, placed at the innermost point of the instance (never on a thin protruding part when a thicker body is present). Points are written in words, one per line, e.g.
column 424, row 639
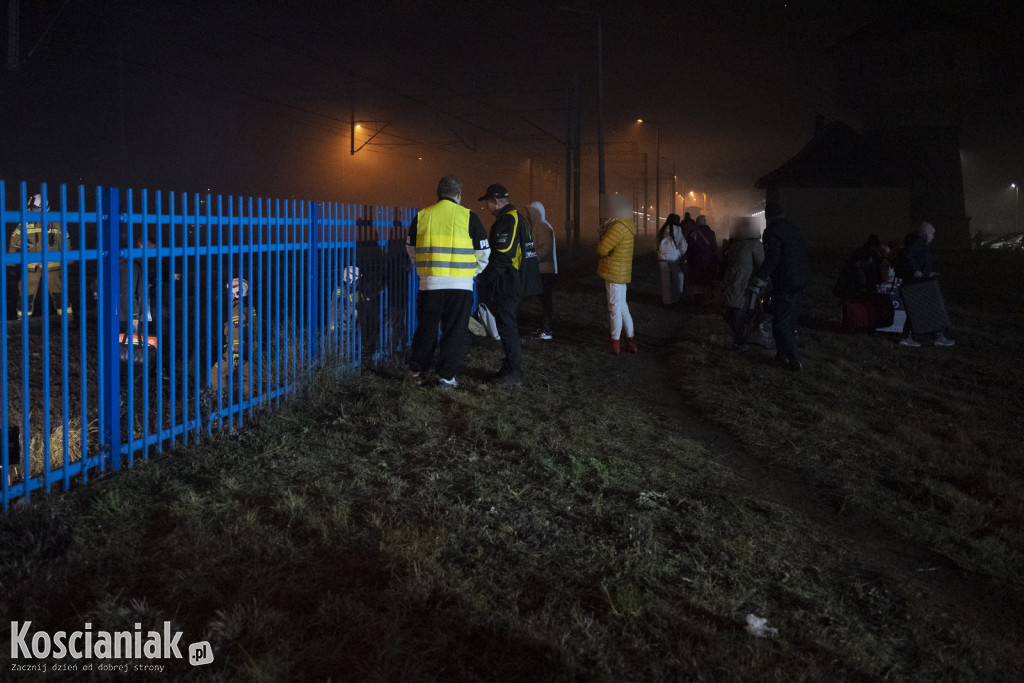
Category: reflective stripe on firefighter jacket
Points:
column 444, row 246
column 34, row 241
column 236, row 333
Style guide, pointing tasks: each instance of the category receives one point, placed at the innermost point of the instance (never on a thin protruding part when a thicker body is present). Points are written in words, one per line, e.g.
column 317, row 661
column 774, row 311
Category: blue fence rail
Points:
column 161, row 316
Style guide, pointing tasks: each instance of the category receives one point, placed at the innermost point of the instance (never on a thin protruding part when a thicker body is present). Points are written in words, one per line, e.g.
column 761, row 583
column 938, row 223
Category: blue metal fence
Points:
column 178, row 314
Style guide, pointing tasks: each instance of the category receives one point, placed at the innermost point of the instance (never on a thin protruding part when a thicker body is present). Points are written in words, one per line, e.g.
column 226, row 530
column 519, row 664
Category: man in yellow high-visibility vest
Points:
column 34, row 235
column 448, row 244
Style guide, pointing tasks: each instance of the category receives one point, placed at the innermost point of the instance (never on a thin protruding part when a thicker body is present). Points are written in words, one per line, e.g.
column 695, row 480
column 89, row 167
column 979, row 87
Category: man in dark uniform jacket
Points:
column 499, row 284
column 787, row 263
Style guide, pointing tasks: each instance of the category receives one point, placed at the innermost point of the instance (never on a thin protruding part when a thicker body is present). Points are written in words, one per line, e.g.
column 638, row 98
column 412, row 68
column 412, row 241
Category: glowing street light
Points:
column 1016, row 209
column 657, row 172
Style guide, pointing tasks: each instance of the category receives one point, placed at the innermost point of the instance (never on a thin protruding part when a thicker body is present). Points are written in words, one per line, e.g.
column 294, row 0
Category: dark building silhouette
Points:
column 909, row 77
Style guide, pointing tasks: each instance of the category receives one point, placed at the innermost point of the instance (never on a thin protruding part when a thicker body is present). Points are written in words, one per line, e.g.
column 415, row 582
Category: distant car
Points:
column 1011, row 240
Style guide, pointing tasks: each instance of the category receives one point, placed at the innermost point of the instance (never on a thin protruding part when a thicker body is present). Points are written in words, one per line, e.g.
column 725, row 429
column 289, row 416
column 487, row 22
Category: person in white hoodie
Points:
column 671, row 249
column 547, row 259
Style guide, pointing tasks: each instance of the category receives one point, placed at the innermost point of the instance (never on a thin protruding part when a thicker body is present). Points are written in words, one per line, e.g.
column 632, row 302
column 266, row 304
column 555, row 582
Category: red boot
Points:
column 630, row 345
column 613, row 347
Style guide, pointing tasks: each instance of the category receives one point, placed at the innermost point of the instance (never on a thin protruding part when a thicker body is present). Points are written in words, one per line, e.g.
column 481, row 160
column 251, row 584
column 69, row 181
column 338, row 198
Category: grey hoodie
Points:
column 543, row 238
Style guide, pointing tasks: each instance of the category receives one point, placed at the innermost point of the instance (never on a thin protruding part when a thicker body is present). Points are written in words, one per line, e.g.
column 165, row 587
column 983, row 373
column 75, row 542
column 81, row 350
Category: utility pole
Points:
column 532, row 197
column 673, row 186
column 576, row 164
column 647, row 206
column 657, row 176
column 12, row 35
column 568, row 165
column 600, row 122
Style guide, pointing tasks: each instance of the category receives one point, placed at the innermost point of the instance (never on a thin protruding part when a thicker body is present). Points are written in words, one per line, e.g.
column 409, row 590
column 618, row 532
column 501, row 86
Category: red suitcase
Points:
column 867, row 312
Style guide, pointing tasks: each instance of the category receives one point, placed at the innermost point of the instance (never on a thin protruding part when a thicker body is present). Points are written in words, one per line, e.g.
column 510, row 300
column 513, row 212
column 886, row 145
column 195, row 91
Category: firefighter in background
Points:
column 235, row 348
column 350, row 290
column 56, row 238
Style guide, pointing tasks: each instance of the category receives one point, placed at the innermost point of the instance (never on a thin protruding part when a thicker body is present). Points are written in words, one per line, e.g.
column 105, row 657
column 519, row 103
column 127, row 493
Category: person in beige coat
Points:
column 615, row 265
column 744, row 255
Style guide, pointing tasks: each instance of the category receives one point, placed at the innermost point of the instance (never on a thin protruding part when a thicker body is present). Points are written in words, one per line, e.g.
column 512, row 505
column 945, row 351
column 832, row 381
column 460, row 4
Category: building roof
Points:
column 839, row 156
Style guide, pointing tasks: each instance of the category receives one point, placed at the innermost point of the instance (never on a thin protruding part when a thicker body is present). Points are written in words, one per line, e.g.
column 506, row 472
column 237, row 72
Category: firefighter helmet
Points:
column 239, row 287
column 35, row 203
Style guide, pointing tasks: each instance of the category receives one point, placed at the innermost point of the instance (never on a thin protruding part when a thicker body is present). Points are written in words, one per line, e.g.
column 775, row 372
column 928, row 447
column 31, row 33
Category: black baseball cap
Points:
column 495, row 191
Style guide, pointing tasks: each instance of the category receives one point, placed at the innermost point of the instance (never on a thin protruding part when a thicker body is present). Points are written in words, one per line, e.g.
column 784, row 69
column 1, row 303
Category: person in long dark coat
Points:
column 787, row 263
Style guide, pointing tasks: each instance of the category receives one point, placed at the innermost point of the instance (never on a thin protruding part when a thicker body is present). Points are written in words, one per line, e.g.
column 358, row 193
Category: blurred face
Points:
column 495, row 205
column 929, row 234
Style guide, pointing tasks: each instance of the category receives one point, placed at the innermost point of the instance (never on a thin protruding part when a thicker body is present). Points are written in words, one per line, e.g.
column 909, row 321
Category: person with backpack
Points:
column 615, row 265
column 744, row 255
column 671, row 250
column 787, row 264
column 500, row 285
column 703, row 257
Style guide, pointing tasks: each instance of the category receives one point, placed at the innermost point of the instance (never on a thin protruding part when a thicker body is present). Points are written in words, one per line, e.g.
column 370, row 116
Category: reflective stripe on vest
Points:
column 443, row 244
column 54, row 230
column 34, row 243
column 518, row 258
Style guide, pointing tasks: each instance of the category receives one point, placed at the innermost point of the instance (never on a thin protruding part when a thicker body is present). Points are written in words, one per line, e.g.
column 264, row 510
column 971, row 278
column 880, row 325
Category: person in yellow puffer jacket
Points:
column 615, row 265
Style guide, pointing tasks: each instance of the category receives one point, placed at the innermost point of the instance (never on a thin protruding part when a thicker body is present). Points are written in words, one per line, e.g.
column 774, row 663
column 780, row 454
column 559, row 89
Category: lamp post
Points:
column 657, row 176
column 674, row 178
column 657, row 173
column 1016, row 207
column 600, row 108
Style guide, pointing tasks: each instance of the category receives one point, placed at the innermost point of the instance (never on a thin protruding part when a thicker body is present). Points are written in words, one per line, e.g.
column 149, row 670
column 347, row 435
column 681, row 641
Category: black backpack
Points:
column 529, row 267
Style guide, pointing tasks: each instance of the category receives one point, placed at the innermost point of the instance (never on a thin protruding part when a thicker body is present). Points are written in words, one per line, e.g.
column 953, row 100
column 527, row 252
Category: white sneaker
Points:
column 545, row 336
column 909, row 341
column 943, row 340
column 447, row 384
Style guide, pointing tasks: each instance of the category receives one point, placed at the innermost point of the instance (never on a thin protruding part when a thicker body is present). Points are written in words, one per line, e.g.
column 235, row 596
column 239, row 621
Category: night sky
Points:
column 255, row 98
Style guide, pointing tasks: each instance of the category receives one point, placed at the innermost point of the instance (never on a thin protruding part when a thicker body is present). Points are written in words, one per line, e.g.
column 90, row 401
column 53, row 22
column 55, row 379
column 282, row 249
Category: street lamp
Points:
column 657, row 172
column 1016, row 209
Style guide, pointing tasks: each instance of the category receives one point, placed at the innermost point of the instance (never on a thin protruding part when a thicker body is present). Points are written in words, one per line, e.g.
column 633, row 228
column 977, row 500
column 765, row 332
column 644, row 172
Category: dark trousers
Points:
column 736, row 319
column 506, row 316
column 787, row 310
column 449, row 309
column 547, row 280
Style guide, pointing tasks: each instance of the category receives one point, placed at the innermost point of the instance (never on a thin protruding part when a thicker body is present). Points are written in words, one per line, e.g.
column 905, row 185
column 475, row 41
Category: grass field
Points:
column 615, row 520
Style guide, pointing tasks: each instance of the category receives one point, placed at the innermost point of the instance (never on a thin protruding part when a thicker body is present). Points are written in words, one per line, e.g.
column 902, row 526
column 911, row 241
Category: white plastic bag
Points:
column 758, row 626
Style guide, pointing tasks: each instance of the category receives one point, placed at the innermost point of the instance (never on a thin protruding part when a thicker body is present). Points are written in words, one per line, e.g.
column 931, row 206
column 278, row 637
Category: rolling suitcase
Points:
column 926, row 309
column 867, row 312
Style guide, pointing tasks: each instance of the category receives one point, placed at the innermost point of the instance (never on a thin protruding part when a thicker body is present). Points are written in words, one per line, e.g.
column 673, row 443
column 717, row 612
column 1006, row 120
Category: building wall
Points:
column 832, row 217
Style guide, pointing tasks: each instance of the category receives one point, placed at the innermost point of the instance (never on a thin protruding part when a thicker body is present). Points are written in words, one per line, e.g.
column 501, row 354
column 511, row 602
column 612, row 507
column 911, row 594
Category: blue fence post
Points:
column 110, row 289
column 313, row 334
